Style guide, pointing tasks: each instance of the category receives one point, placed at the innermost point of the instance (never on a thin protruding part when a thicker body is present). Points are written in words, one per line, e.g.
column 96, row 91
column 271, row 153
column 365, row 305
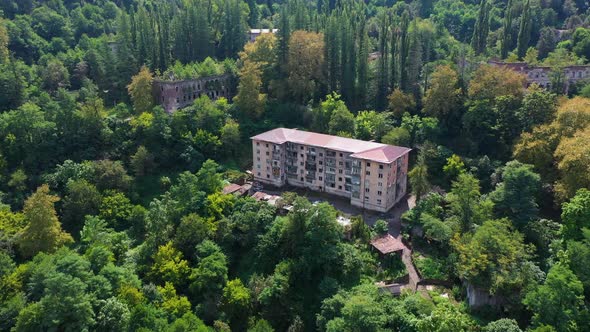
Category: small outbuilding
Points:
column 387, row 244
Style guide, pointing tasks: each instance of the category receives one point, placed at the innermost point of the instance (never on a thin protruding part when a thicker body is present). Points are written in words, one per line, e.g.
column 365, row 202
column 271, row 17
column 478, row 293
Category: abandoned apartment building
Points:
column 372, row 175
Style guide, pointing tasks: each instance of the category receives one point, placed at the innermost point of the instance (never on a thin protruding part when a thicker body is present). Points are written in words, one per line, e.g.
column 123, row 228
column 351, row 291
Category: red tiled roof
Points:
column 384, row 154
column 387, row 244
column 381, row 152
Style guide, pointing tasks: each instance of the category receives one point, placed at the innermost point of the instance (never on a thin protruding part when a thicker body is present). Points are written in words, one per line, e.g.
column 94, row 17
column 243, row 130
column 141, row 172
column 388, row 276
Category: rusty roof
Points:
column 387, row 244
column 360, row 149
column 231, row 188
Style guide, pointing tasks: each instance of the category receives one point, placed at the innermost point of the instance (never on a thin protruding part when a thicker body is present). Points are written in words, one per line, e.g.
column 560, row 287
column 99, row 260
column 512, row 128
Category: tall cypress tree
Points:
column 254, row 13
column 482, row 28
column 202, row 39
column 382, row 74
column 233, row 35
column 414, row 65
column 347, row 54
column 524, row 33
column 332, row 42
column 394, row 64
column 125, row 54
column 507, row 31
column 283, row 40
column 403, row 46
column 362, row 66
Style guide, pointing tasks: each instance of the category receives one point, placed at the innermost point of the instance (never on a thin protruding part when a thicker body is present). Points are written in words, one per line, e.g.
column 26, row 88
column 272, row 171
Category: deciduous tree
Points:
column 43, row 230
column 516, row 196
column 494, row 257
column 140, row 91
column 305, row 66
column 249, row 99
column 559, row 301
column 443, row 97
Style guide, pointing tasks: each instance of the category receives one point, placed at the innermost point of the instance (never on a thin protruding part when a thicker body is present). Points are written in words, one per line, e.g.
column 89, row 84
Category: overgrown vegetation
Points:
column 112, row 216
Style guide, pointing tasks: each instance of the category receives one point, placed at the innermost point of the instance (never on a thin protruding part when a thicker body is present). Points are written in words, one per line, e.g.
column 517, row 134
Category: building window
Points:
column 267, row 153
column 258, row 173
column 301, row 163
column 257, row 151
column 340, row 179
column 320, row 170
column 257, row 143
column 321, row 154
column 380, row 184
column 302, row 155
column 339, row 187
column 340, row 164
column 312, row 149
column 367, row 190
column 339, row 171
column 381, row 175
column 341, row 155
column 379, row 193
column 320, row 178
column 267, row 169
column 366, row 173
column 268, row 176
column 379, row 201
column 267, row 145
column 368, row 164
column 321, row 162
column 258, row 166
column 302, row 147
column 257, row 158
column 301, row 178
column 366, row 198
column 380, row 166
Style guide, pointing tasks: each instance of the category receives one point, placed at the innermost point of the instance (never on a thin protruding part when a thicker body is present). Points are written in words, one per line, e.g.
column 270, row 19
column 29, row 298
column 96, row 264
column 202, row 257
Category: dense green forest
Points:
column 112, row 216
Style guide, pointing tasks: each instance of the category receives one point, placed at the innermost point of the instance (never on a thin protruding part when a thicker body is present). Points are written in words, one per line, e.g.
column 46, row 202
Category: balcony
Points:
column 291, row 170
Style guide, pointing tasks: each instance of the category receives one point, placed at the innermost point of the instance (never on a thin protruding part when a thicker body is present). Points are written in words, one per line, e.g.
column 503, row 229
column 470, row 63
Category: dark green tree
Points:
column 482, row 28
column 506, row 41
column 524, row 32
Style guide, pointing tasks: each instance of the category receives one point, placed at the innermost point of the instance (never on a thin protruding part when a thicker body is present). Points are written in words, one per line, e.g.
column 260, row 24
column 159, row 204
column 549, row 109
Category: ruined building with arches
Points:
column 176, row 94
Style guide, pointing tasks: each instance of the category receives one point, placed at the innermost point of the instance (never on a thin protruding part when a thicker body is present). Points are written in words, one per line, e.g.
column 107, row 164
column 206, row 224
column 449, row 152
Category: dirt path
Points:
column 414, row 278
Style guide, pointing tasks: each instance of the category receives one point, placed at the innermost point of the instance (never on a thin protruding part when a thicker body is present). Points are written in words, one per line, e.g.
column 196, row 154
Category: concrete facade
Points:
column 177, row 94
column 541, row 75
column 372, row 175
column 254, row 33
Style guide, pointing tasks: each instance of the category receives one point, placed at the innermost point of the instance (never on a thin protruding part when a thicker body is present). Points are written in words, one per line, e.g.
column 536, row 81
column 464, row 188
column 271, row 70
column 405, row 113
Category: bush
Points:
column 431, row 268
column 381, row 227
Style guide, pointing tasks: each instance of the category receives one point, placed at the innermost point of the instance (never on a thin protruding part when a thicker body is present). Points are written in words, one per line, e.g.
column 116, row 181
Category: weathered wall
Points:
column 173, row 95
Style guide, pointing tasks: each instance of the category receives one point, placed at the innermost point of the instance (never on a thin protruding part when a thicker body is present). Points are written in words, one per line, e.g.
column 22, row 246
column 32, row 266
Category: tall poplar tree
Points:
column 403, row 46
column 233, row 36
column 333, row 48
column 125, row 53
column 414, row 62
column 482, row 28
column 348, row 54
column 283, row 35
column 524, row 33
column 362, row 65
column 382, row 71
column 507, row 31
